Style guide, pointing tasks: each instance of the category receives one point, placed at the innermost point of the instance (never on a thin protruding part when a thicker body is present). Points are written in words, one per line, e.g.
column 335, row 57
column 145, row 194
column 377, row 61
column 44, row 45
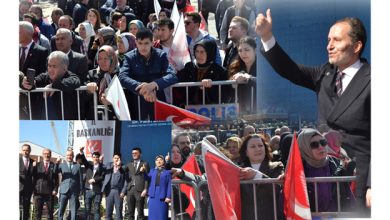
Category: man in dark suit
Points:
column 70, row 186
column 66, row 22
column 78, row 63
column 114, row 187
column 45, row 183
column 342, row 86
column 31, row 56
column 137, row 185
column 25, row 180
column 94, row 176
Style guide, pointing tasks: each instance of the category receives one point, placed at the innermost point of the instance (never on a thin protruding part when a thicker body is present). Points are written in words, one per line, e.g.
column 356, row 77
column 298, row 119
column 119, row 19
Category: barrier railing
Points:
column 43, row 90
column 105, row 115
column 274, row 182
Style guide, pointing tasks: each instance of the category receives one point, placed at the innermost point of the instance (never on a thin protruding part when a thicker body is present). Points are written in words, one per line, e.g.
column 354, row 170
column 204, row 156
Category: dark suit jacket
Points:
column 107, row 179
column 78, row 64
column 350, row 114
column 25, row 176
column 76, row 45
column 264, row 194
column 98, row 176
column 135, row 177
column 71, row 180
column 45, row 183
column 36, row 58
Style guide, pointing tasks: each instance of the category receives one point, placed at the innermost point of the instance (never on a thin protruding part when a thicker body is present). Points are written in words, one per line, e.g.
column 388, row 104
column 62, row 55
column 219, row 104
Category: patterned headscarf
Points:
column 304, row 139
column 128, row 40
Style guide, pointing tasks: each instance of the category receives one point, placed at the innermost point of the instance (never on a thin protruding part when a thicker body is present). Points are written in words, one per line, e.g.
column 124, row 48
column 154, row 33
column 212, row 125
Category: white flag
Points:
column 157, row 7
column 175, row 16
column 115, row 95
column 179, row 54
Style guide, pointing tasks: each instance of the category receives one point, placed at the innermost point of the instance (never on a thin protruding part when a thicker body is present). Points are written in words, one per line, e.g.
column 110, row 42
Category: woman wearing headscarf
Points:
column 126, row 43
column 159, row 190
column 317, row 163
column 135, row 26
column 256, row 154
column 86, row 32
column 243, row 70
column 98, row 79
column 203, row 70
column 105, row 36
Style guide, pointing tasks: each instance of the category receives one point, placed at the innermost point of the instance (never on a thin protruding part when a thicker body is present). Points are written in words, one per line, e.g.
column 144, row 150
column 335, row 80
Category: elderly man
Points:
column 58, row 77
column 66, row 22
column 146, row 72
column 78, row 63
column 25, row 180
column 45, row 183
column 70, row 186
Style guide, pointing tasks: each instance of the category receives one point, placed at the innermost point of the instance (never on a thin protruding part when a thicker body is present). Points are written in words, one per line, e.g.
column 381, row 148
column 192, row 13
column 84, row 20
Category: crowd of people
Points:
column 131, row 41
column 255, row 151
column 90, row 42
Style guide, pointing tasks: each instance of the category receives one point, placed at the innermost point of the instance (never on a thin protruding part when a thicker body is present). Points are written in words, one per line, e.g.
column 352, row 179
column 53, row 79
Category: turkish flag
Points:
column 296, row 201
column 179, row 116
column 190, row 166
column 223, row 180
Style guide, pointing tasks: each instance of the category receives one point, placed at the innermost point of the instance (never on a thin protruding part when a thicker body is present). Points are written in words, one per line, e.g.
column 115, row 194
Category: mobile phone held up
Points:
column 30, row 76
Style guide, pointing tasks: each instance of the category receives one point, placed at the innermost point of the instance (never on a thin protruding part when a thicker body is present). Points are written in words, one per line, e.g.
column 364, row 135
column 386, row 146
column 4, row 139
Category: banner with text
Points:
column 94, row 136
column 216, row 112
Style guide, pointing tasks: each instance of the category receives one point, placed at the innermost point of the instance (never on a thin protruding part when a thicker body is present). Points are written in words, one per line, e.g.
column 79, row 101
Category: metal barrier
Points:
column 105, row 115
column 274, row 182
column 42, row 90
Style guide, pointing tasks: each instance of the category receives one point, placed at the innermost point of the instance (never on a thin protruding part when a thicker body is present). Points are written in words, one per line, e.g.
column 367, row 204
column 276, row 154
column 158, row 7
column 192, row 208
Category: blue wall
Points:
column 301, row 27
column 153, row 138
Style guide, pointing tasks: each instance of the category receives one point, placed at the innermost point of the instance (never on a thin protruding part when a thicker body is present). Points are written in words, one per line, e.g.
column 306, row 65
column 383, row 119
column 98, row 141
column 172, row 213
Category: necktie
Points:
column 135, row 165
column 339, row 84
column 26, row 164
column 22, row 57
column 70, row 166
column 46, row 167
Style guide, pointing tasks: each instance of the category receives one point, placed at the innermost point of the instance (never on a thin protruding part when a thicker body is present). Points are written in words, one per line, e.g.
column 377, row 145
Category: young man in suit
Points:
column 25, row 180
column 45, row 183
column 70, row 186
column 114, row 187
column 342, row 86
column 137, row 185
column 94, row 176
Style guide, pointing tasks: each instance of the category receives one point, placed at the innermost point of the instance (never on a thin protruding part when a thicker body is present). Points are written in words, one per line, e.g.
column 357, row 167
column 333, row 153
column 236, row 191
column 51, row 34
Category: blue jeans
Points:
column 96, row 199
column 113, row 198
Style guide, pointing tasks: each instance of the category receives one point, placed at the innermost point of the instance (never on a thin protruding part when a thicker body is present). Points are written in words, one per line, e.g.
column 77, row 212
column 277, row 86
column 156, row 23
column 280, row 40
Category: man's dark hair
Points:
column 117, row 154
column 137, row 149
column 144, row 33
column 166, row 22
column 70, row 19
column 358, row 31
column 195, row 17
column 27, row 145
column 96, row 153
column 116, row 16
column 39, row 10
column 33, row 17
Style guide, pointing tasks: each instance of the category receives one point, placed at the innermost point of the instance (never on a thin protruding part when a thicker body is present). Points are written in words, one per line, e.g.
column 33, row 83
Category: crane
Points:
column 56, row 142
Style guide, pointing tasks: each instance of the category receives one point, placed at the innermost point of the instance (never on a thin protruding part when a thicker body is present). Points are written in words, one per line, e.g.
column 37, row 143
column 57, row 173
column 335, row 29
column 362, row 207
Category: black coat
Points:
column 190, row 74
column 350, row 113
column 36, row 58
column 98, row 176
column 25, row 176
column 45, row 183
column 67, row 84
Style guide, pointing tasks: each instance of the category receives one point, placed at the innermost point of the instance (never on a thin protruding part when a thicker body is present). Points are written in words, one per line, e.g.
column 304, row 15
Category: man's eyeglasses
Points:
column 316, row 144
